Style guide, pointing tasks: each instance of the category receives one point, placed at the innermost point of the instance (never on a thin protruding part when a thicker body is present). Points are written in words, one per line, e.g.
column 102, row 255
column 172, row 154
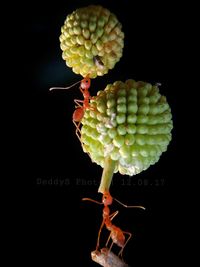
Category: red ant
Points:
column 116, row 234
column 80, row 109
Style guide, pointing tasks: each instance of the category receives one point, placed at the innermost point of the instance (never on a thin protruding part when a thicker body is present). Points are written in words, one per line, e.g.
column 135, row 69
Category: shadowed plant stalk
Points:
column 107, row 175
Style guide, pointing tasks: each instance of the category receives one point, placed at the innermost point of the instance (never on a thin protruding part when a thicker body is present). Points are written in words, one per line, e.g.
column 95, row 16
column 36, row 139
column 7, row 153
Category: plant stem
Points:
column 106, row 178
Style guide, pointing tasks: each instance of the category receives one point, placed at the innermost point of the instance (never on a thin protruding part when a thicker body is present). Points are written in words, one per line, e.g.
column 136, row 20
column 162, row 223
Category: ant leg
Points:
column 92, row 108
column 78, row 132
column 99, row 233
column 107, row 243
column 112, row 216
column 77, row 102
column 80, row 102
column 121, row 251
column 110, row 247
column 108, row 240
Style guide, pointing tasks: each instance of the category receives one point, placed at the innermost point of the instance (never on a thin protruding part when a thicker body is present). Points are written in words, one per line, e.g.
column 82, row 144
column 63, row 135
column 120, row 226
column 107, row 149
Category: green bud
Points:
column 140, row 139
column 142, row 129
column 99, row 45
column 88, row 44
column 135, row 150
column 112, row 133
column 92, row 26
column 115, row 154
column 101, row 21
column 153, row 99
column 105, row 139
column 121, row 118
column 121, row 100
column 131, row 129
column 121, row 129
column 131, row 118
column 129, row 139
column 118, row 140
column 142, row 119
column 101, row 128
column 143, row 109
column 125, row 151
column 101, row 107
column 153, row 109
column 111, row 103
column 132, row 98
column 86, row 33
column 132, row 107
column 121, row 108
column 84, row 24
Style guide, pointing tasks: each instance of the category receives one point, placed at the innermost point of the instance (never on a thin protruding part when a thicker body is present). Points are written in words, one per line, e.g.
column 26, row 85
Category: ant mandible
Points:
column 81, row 105
column 116, row 234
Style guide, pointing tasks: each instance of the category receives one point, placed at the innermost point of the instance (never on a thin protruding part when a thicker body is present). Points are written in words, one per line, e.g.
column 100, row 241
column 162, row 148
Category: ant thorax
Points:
column 106, row 212
column 86, row 94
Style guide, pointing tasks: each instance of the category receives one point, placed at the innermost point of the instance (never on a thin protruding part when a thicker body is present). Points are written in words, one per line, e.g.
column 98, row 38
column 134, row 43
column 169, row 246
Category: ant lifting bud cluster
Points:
column 116, row 234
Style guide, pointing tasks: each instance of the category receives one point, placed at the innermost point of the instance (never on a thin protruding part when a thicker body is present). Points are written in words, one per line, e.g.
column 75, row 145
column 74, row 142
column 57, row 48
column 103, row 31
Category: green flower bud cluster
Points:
column 130, row 122
column 92, row 41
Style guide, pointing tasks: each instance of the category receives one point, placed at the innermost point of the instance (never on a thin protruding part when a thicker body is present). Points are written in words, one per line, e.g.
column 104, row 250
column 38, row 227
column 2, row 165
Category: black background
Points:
column 59, row 228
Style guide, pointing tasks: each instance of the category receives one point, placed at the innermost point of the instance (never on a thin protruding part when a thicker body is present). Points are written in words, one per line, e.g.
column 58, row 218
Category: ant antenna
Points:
column 92, row 200
column 63, row 88
column 126, row 206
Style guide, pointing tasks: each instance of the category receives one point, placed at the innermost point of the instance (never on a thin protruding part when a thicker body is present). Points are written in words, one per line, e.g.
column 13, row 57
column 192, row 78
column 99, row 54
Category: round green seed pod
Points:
column 130, row 123
column 91, row 40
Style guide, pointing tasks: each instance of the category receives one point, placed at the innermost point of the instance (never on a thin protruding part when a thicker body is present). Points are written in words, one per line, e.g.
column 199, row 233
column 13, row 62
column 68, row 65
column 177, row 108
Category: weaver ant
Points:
column 81, row 105
column 116, row 234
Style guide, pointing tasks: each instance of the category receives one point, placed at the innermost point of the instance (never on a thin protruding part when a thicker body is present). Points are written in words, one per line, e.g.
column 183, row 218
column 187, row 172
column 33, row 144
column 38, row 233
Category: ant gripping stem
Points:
column 81, row 105
column 116, row 234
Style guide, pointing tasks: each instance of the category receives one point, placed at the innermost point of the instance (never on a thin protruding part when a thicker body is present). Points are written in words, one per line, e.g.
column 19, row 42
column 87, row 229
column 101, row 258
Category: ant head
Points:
column 107, row 199
column 85, row 83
